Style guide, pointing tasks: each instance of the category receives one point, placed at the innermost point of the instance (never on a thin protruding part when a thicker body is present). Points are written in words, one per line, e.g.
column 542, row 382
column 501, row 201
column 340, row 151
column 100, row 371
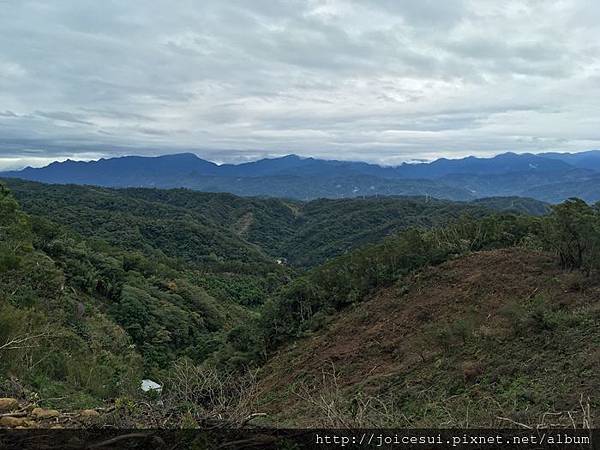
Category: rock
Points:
column 89, row 413
column 8, row 404
column 41, row 413
column 12, row 422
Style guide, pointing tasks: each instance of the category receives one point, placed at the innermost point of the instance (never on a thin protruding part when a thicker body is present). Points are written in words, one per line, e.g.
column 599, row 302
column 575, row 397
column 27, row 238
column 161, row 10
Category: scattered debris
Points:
column 26, row 415
column 42, row 413
column 12, row 422
column 89, row 413
column 8, row 404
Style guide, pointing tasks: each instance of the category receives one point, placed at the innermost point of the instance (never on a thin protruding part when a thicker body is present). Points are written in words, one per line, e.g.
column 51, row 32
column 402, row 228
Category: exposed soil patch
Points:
column 243, row 224
column 396, row 338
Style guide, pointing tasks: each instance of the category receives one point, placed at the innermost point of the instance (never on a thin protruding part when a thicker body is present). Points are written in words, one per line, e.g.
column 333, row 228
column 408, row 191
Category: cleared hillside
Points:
column 477, row 341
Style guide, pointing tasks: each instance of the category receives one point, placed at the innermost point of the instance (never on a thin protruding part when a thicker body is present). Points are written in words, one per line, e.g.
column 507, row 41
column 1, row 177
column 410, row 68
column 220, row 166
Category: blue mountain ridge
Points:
column 549, row 176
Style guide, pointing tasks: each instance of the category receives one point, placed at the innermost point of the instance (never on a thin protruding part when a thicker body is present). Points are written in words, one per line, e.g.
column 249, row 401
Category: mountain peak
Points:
column 305, row 177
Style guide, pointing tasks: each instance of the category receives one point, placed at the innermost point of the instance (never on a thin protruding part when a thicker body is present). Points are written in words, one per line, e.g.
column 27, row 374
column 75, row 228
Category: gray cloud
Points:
column 230, row 80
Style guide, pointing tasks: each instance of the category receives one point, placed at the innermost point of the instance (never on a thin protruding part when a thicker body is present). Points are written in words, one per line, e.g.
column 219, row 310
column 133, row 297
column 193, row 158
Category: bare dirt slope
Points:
column 483, row 340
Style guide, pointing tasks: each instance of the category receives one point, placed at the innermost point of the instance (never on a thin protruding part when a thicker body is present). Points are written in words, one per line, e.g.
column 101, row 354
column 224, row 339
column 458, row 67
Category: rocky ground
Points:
column 19, row 415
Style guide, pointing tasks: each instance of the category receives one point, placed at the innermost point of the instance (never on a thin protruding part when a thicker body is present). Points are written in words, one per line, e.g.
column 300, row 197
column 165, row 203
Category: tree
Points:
column 573, row 231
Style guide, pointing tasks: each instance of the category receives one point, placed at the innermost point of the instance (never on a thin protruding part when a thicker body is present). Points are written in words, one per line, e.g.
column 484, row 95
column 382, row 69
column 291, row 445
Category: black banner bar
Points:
column 105, row 439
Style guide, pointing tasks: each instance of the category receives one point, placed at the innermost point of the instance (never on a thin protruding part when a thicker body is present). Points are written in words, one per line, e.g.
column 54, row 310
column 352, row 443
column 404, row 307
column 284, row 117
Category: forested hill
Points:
column 236, row 232
column 83, row 319
column 100, row 288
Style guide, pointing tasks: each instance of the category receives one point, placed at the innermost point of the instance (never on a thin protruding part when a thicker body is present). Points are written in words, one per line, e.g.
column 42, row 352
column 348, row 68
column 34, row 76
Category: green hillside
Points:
column 100, row 288
column 220, row 229
column 153, row 227
column 99, row 316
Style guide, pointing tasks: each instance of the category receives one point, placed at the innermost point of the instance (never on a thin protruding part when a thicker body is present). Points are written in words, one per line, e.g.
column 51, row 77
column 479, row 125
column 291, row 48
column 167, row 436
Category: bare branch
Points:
column 20, row 342
column 515, row 423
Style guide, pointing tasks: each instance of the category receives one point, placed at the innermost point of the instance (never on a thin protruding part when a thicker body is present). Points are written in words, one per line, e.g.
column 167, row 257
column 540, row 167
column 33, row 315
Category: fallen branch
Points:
column 20, row 342
column 515, row 423
column 15, row 414
column 250, row 417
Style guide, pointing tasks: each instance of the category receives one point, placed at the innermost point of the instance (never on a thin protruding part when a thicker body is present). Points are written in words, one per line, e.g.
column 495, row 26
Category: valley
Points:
column 396, row 310
column 299, row 224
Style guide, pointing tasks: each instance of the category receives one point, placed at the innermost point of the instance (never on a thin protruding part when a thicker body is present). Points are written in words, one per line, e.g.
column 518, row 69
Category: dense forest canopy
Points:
column 222, row 229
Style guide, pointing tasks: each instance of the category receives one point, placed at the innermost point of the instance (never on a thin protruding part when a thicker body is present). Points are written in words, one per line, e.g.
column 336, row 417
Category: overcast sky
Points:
column 378, row 80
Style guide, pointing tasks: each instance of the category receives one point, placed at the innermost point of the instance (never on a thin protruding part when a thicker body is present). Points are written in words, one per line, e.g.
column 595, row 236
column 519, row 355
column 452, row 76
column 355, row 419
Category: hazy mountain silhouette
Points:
column 549, row 177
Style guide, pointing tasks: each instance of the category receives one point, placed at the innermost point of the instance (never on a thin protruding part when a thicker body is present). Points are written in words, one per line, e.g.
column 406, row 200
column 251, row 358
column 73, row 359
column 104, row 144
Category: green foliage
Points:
column 573, row 232
column 515, row 205
column 109, row 285
column 247, row 290
column 225, row 233
column 135, row 222
column 80, row 317
column 351, row 278
column 41, row 340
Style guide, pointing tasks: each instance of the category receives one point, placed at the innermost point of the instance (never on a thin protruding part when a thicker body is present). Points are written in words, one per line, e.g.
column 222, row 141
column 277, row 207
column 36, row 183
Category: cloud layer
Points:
column 383, row 80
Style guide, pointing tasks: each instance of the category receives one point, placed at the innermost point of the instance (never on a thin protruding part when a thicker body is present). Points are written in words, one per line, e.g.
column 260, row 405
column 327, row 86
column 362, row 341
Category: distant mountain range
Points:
column 550, row 177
